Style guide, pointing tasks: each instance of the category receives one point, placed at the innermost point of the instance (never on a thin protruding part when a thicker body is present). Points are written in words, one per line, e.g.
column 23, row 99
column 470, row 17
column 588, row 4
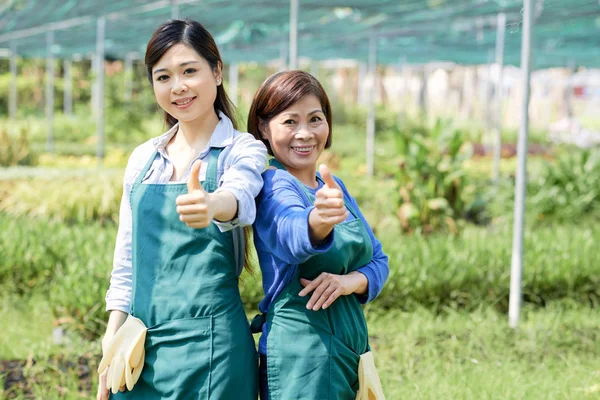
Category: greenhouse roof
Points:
column 567, row 32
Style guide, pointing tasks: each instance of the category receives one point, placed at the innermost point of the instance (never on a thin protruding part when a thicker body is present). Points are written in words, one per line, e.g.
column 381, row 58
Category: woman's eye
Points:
column 162, row 77
column 315, row 119
column 289, row 122
column 190, row 71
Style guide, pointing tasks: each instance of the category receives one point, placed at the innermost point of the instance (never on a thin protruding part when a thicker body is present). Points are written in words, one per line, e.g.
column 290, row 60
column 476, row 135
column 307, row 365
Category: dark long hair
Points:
column 194, row 35
column 279, row 92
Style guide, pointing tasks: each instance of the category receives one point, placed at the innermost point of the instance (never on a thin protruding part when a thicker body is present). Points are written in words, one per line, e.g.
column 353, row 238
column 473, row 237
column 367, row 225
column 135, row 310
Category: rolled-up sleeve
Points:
column 118, row 296
column 242, row 178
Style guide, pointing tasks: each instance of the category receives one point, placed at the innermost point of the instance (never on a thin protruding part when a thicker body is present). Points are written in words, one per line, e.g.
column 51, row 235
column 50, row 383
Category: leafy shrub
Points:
column 435, row 192
column 15, row 150
column 566, row 189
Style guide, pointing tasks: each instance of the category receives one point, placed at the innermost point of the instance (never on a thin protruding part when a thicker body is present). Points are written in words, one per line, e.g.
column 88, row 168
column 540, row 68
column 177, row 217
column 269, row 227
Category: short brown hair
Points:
column 279, row 92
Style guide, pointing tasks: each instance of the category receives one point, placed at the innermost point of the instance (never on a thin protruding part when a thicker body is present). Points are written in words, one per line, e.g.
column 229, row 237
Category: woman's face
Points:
column 184, row 84
column 298, row 134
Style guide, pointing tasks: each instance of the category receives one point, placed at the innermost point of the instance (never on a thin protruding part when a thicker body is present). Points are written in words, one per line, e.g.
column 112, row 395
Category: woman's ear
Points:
column 263, row 128
column 218, row 72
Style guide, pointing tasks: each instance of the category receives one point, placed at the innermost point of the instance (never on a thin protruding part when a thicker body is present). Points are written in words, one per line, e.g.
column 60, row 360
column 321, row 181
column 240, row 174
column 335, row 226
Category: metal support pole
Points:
column 423, row 92
column 294, row 34
column 568, row 92
column 100, row 87
column 314, row 68
column 362, row 76
column 94, row 95
column 488, row 98
column 234, row 74
column 174, row 9
column 516, row 269
column 50, row 91
column 68, row 88
column 128, row 72
column 371, row 99
column 283, row 53
column 12, row 104
column 500, row 31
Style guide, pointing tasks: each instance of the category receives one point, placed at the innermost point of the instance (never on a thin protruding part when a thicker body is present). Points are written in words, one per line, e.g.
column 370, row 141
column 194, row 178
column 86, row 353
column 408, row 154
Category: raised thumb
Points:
column 327, row 177
column 193, row 182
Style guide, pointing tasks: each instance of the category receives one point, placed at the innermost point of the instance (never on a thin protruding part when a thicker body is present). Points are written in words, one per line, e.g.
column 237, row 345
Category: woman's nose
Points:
column 178, row 86
column 303, row 133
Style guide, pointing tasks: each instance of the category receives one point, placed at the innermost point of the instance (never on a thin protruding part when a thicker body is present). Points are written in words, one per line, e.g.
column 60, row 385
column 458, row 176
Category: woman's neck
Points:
column 306, row 176
column 196, row 134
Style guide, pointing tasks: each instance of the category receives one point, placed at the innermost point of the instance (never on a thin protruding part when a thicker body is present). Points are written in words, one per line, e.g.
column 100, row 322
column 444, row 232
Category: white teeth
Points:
column 303, row 149
column 183, row 103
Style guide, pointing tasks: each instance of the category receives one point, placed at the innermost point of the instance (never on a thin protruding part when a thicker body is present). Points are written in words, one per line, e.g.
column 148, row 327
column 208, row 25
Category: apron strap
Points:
column 256, row 326
column 142, row 174
column 211, row 184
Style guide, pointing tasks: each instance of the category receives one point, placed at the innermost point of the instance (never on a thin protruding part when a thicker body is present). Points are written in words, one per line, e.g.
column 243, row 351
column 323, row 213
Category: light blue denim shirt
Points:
column 239, row 169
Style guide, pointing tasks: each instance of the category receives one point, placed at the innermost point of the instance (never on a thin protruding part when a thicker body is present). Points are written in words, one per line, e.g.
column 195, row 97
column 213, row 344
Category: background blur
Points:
column 421, row 92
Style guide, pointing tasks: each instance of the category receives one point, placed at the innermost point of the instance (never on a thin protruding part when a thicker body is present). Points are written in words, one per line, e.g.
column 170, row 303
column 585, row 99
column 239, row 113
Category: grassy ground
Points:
column 552, row 355
column 420, row 355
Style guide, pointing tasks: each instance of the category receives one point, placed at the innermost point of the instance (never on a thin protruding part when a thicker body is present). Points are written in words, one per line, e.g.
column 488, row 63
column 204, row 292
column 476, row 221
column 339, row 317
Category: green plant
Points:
column 565, row 189
column 15, row 150
column 569, row 188
column 435, row 192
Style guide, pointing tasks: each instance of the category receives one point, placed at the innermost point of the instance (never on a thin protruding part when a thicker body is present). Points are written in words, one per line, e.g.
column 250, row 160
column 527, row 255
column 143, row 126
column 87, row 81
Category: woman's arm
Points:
column 282, row 223
column 366, row 282
column 118, row 296
column 240, row 183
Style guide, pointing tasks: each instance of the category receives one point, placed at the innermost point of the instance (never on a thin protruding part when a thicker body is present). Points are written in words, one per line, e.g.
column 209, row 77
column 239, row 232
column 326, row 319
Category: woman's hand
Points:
column 195, row 207
column 328, row 287
column 329, row 208
column 115, row 320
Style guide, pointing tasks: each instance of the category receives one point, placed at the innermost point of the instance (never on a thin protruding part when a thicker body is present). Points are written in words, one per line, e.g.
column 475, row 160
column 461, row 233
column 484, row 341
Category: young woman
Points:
column 180, row 246
column 318, row 256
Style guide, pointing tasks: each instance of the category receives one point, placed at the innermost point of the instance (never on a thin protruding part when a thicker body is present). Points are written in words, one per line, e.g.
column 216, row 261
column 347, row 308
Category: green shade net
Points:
column 566, row 32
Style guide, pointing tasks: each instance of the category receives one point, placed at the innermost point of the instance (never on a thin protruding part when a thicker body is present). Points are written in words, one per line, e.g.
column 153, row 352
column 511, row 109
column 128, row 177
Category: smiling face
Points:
column 298, row 135
column 184, row 84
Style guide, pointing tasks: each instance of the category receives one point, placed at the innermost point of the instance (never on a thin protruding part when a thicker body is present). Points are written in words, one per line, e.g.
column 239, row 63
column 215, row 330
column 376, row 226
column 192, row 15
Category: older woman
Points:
column 318, row 256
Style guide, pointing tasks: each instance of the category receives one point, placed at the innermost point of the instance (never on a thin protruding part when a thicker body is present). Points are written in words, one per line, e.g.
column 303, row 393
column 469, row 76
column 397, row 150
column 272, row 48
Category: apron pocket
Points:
column 179, row 357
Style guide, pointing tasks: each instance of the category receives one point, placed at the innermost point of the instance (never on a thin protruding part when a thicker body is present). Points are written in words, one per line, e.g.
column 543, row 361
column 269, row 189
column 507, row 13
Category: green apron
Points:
column 315, row 354
column 185, row 290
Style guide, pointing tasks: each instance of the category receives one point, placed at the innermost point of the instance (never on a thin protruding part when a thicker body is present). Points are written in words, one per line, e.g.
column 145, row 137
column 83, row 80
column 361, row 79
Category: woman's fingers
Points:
column 317, row 294
column 192, row 209
column 326, row 289
column 309, row 286
column 191, row 198
column 331, row 290
column 102, row 393
column 332, row 297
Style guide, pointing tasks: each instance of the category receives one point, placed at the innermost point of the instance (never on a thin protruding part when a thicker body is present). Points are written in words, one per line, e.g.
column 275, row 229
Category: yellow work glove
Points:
column 124, row 355
column 369, row 385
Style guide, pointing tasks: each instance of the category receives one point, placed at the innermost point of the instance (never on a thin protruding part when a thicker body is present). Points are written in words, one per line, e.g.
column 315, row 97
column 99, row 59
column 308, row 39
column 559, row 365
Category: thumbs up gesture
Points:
column 329, row 201
column 195, row 208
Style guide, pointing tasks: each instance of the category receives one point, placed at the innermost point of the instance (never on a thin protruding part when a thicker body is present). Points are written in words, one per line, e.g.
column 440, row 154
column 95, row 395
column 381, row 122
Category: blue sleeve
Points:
column 282, row 219
column 376, row 271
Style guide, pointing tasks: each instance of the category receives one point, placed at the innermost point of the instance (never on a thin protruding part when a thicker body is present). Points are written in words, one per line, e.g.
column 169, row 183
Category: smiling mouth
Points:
column 303, row 149
column 183, row 102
